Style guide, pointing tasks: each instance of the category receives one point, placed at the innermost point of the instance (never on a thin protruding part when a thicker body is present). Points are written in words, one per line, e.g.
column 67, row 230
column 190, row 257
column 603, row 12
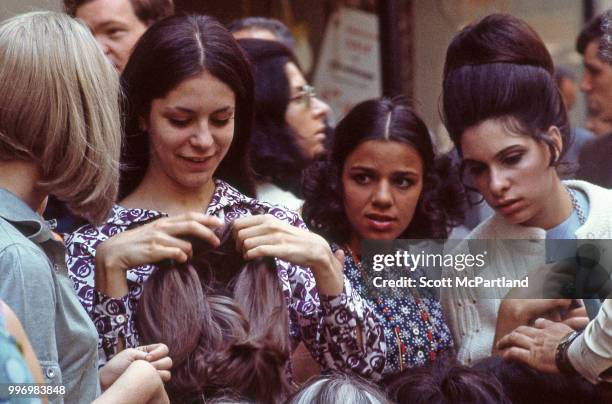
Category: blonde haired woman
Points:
column 60, row 134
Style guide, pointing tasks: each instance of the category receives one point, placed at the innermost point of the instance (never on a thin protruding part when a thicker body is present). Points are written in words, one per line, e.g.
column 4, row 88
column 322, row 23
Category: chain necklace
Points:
column 424, row 315
column 576, row 206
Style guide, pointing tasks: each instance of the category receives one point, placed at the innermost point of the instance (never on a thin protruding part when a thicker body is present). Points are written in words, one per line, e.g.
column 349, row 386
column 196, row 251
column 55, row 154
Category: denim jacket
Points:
column 34, row 283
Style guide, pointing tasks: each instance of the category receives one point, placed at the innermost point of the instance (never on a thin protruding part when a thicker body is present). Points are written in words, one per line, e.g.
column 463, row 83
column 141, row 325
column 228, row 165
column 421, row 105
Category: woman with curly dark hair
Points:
column 383, row 182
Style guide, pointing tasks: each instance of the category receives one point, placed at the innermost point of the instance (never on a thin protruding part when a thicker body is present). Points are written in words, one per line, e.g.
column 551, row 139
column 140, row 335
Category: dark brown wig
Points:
column 225, row 322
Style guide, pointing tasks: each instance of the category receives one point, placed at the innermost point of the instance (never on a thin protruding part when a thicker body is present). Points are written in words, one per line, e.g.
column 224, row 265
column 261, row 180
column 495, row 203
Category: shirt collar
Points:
column 224, row 195
column 20, row 215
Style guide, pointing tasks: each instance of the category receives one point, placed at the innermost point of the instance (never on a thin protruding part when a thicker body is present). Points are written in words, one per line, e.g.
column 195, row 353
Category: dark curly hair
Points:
column 445, row 381
column 441, row 203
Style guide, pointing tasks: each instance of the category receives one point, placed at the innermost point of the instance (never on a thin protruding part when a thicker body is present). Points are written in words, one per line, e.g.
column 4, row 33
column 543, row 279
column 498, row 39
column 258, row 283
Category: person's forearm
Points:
column 328, row 276
column 106, row 377
column 591, row 353
column 110, row 278
column 508, row 319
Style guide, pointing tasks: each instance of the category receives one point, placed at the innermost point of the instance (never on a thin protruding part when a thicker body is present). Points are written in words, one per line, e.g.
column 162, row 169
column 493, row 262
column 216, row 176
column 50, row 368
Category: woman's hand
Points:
column 266, row 236
column 139, row 383
column 155, row 354
column 148, row 244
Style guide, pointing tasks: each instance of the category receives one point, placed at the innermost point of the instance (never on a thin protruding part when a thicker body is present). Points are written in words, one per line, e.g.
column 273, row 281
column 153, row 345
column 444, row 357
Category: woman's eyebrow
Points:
column 506, row 150
column 499, row 154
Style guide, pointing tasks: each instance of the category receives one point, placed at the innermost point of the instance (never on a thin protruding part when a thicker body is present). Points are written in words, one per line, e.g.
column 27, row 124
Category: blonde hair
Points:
column 59, row 109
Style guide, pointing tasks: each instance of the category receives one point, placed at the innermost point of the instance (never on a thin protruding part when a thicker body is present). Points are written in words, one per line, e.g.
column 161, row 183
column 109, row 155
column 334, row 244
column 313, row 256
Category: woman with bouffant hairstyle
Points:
column 504, row 112
column 240, row 345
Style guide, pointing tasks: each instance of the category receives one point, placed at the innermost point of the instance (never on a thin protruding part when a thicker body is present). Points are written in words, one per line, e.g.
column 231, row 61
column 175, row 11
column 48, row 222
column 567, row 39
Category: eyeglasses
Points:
column 306, row 94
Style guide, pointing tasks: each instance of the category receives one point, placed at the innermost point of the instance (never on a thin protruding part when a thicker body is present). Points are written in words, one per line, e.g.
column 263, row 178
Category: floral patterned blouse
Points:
column 327, row 325
column 414, row 327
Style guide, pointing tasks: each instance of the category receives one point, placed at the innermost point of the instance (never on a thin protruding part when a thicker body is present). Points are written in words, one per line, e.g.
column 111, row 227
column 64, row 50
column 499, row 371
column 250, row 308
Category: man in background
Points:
column 595, row 162
column 118, row 24
column 262, row 28
column 597, row 78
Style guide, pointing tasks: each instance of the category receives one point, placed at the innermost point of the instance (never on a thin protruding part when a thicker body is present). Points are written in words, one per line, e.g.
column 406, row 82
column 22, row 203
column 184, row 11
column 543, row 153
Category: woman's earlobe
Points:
column 557, row 139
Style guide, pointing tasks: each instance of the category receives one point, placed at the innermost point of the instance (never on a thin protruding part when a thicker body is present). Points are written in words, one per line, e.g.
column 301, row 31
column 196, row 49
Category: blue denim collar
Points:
column 20, row 215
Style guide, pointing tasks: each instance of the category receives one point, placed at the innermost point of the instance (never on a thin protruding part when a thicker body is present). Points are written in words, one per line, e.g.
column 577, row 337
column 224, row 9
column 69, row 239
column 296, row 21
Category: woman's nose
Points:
column 201, row 137
column 320, row 108
column 498, row 182
column 382, row 195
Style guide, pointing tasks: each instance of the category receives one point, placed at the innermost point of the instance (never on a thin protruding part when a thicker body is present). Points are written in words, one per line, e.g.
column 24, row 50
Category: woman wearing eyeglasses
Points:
column 289, row 130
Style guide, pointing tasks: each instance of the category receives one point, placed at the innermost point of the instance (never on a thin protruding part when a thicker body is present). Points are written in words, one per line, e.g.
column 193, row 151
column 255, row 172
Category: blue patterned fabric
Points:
column 406, row 314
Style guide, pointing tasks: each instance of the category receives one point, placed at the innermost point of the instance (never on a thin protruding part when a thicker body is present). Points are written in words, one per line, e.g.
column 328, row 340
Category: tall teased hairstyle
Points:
column 497, row 38
column 444, row 381
column 225, row 322
column 147, row 11
column 336, row 388
column 274, row 154
column 58, row 108
column 439, row 206
column 499, row 68
column 171, row 51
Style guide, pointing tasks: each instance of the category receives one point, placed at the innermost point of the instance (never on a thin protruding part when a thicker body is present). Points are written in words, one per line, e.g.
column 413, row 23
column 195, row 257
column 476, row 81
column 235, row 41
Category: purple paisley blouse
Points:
column 326, row 324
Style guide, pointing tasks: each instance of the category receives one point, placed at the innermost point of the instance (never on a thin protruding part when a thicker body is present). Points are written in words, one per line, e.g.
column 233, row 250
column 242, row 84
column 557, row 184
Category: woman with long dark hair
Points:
column 506, row 116
column 382, row 181
column 188, row 103
column 289, row 128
